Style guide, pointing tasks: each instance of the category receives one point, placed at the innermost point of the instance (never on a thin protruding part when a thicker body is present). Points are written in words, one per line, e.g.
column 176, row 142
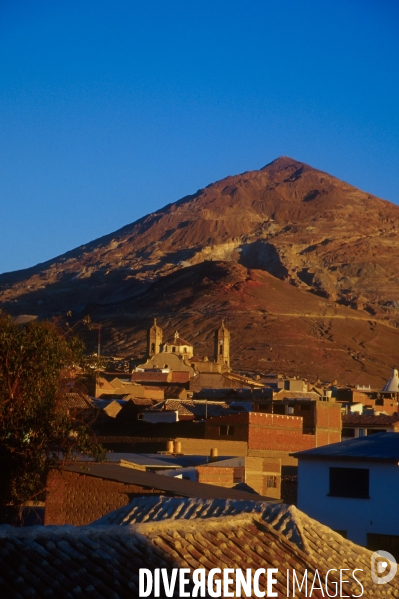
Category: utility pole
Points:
column 99, row 342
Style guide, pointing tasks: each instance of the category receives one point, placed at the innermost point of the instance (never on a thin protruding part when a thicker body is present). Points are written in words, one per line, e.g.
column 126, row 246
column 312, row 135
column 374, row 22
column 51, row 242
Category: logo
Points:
column 383, row 567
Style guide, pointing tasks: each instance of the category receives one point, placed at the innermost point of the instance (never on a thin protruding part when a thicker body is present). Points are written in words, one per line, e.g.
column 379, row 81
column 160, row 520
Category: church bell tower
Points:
column 154, row 339
column 222, row 346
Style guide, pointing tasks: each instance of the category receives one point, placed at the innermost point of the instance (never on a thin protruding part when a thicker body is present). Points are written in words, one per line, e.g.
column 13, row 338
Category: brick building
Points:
column 80, row 494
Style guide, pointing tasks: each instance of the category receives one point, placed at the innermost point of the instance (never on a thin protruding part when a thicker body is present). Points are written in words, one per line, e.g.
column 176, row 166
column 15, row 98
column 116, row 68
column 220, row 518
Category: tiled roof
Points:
column 172, row 391
column 76, row 401
column 198, row 409
column 370, row 419
column 284, row 394
column 323, row 546
column 103, row 562
column 379, row 447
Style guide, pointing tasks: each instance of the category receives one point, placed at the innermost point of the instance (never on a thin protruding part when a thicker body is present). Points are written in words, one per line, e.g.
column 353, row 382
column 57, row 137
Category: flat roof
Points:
column 178, row 486
column 382, row 447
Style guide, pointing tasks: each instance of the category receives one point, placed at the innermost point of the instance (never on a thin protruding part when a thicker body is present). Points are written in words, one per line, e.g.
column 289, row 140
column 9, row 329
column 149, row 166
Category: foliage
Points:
column 38, row 364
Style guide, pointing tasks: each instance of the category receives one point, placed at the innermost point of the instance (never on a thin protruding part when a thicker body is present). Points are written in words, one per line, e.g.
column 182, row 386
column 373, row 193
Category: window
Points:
column 153, row 348
column 348, row 432
column 387, row 542
column 349, row 482
column 238, row 475
column 271, row 481
column 343, row 533
column 361, row 432
column 226, row 431
column 173, row 349
column 290, row 410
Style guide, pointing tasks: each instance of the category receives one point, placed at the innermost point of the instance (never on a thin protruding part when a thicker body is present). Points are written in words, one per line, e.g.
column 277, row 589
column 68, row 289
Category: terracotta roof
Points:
column 172, row 391
column 370, row 419
column 309, row 395
column 103, row 562
column 76, row 401
column 198, row 409
column 323, row 546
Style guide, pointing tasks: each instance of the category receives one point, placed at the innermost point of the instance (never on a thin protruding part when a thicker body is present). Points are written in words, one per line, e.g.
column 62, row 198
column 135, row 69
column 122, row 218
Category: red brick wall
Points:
column 262, row 431
column 212, row 475
column 238, row 421
column 274, row 431
column 328, row 423
column 79, row 499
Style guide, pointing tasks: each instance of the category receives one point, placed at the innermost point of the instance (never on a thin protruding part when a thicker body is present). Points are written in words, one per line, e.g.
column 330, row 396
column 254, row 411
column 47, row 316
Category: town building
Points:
column 352, row 487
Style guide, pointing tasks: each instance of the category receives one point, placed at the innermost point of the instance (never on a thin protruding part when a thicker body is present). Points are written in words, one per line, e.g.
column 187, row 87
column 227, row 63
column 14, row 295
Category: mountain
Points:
column 327, row 250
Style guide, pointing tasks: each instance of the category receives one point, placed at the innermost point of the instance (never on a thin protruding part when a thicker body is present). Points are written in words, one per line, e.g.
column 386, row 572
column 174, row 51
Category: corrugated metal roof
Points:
column 378, row 447
column 184, row 488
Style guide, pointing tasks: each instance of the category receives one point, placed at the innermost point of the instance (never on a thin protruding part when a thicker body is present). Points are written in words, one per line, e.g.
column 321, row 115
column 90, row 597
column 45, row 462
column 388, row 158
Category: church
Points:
column 178, row 353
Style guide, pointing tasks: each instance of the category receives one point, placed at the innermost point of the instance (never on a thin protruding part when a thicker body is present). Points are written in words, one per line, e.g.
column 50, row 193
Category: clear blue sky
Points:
column 111, row 109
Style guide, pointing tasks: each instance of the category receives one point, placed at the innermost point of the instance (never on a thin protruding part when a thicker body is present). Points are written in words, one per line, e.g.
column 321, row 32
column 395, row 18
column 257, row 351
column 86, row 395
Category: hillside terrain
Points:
column 302, row 266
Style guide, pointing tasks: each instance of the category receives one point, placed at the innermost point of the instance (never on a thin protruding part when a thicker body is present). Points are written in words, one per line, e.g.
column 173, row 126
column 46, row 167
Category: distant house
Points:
column 361, row 425
column 353, row 487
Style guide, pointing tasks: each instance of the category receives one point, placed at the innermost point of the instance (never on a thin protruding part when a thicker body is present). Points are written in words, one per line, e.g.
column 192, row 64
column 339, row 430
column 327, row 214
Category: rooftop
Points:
column 104, row 562
column 324, row 547
column 176, row 486
column 370, row 419
column 379, row 447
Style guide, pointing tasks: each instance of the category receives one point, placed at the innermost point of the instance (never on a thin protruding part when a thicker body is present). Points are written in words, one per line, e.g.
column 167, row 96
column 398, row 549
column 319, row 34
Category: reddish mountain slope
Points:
column 309, row 230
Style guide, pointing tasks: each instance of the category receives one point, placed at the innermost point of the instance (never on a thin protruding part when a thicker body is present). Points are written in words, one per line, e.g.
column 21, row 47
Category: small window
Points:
column 387, row 542
column 349, row 482
column 271, row 481
column 238, row 475
column 290, row 410
column 185, row 350
column 226, row 431
column 153, row 348
column 140, row 416
column 348, row 432
column 343, row 533
column 173, row 349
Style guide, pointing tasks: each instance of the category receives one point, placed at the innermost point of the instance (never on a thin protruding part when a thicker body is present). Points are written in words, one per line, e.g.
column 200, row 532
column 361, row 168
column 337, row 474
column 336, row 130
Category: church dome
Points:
column 393, row 383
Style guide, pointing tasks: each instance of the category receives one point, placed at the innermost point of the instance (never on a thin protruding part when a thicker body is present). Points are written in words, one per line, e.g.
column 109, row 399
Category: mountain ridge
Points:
column 300, row 225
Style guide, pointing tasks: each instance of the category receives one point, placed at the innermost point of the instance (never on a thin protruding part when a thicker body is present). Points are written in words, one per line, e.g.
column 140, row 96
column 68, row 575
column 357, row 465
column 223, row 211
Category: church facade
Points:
column 178, row 353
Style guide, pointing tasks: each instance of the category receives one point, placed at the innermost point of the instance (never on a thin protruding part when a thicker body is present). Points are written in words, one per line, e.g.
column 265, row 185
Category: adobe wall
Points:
column 262, row 474
column 79, row 499
column 213, row 475
column 204, row 446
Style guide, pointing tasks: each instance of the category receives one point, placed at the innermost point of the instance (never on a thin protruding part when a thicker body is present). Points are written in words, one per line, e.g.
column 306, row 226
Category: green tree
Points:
column 38, row 364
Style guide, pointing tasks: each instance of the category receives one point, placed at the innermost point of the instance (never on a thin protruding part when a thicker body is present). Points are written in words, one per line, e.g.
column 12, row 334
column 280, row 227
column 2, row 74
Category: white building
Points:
column 353, row 487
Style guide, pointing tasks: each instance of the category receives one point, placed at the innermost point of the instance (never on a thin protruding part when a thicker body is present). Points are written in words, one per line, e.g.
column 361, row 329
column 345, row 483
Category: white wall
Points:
column 378, row 515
